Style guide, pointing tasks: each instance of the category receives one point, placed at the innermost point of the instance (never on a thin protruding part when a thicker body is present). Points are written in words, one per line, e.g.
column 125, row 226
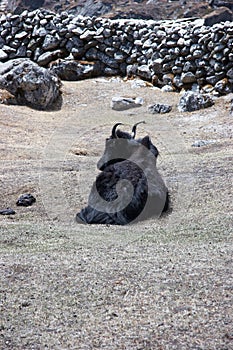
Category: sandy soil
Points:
column 158, row 284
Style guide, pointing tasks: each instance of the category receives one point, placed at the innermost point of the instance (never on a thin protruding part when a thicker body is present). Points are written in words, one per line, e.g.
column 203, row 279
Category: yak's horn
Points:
column 114, row 136
column 135, row 127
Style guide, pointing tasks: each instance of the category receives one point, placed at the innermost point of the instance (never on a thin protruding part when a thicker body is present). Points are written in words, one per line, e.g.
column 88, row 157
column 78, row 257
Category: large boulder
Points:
column 31, row 84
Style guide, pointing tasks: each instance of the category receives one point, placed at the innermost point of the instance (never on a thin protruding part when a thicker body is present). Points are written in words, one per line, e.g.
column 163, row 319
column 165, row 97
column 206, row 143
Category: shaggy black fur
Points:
column 111, row 200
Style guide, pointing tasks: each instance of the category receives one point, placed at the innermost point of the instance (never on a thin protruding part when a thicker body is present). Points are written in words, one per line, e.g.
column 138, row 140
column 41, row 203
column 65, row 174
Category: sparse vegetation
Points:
column 159, row 284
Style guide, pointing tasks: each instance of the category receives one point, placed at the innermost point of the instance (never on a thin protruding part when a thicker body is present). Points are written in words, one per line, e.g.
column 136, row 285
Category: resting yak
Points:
column 129, row 187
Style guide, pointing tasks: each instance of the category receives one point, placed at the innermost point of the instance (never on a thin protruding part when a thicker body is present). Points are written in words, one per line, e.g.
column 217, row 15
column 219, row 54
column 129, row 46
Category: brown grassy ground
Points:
column 160, row 284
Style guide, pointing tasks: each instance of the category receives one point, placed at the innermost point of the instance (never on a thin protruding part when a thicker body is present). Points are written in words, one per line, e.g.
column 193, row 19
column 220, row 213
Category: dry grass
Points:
column 164, row 284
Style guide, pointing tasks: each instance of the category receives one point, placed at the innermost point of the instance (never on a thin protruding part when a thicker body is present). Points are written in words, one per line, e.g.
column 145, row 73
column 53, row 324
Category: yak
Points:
column 129, row 187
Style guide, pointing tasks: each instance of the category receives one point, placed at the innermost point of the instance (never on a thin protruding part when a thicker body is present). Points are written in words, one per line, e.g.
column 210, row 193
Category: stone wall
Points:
column 173, row 53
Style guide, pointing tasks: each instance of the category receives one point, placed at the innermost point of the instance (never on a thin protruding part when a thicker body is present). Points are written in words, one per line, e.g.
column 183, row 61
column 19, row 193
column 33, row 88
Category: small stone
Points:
column 201, row 143
column 118, row 56
column 181, row 42
column 230, row 73
column 208, row 88
column 212, row 79
column 131, row 70
column 168, row 78
column 26, row 200
column 223, row 86
column 39, row 32
column 110, row 62
column 21, row 35
column 167, row 88
column 7, row 211
column 3, row 55
column 188, row 78
column 177, row 70
column 21, row 52
column 157, row 66
column 48, row 57
column 177, row 81
column 159, row 108
column 138, row 83
column 50, row 42
column 144, row 72
column 87, row 35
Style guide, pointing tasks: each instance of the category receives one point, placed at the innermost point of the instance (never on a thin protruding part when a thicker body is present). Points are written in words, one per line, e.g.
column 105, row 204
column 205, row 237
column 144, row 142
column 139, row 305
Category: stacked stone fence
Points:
column 176, row 53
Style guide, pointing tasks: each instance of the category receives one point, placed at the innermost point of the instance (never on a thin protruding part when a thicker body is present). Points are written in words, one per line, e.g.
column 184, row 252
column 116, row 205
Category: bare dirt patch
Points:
column 159, row 284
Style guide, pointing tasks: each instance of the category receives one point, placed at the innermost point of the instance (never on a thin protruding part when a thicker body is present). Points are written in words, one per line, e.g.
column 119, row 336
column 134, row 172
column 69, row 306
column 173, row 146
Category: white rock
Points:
column 122, row 103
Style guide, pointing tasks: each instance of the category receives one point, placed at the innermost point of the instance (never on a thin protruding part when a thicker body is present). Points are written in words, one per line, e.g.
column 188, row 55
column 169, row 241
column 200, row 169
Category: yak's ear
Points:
column 146, row 142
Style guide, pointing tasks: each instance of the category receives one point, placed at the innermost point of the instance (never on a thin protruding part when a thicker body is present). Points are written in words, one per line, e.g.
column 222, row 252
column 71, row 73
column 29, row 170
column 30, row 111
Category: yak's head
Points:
column 121, row 145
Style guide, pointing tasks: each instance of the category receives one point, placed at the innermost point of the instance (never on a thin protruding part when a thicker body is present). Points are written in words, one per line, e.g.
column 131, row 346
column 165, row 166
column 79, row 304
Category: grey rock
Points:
column 21, row 52
column 15, row 43
column 51, row 42
column 191, row 101
column 107, row 32
column 230, row 73
column 92, row 54
column 177, row 70
column 3, row 55
column 74, row 42
column 159, row 108
column 188, row 78
column 33, row 43
column 78, row 53
column 177, row 81
column 223, row 86
column 197, row 53
column 119, row 56
column 144, row 72
column 39, row 32
column 110, row 51
column 168, row 79
column 37, row 53
column 157, row 66
column 124, row 103
column 21, row 35
column 7, row 211
column 26, row 200
column 212, row 79
column 201, row 143
column 87, row 35
column 167, row 88
column 74, row 70
column 8, row 49
column 221, row 14
column 49, row 56
column 167, row 67
column 109, row 72
column 131, row 70
column 110, row 62
column 31, row 85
